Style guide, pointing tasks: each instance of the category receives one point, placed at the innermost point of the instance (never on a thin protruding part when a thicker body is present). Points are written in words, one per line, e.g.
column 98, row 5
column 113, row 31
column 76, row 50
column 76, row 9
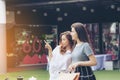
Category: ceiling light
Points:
column 45, row 14
column 84, row 8
column 118, row 8
column 59, row 18
column 34, row 10
column 92, row 10
column 18, row 12
column 57, row 9
column 65, row 14
column 112, row 6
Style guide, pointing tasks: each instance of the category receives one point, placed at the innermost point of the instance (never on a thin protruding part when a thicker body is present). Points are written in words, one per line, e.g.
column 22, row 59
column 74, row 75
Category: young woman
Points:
column 82, row 54
column 60, row 57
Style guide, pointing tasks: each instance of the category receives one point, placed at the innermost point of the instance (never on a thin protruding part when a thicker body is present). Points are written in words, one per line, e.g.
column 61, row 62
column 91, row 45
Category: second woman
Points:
column 60, row 57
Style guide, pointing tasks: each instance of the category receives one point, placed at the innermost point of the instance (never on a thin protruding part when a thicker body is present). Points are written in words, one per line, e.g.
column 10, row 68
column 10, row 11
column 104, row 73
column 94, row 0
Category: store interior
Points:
column 29, row 22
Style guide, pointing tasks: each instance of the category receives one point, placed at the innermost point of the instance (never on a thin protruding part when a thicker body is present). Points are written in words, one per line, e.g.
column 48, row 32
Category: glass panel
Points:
column 25, row 43
column 119, row 41
column 110, row 39
column 93, row 32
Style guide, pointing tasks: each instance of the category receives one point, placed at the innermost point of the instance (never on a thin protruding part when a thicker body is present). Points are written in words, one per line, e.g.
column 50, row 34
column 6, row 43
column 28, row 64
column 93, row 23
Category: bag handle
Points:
column 66, row 71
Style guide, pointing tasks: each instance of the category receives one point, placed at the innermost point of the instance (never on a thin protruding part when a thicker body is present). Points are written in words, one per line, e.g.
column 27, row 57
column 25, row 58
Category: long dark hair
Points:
column 69, row 37
column 81, row 31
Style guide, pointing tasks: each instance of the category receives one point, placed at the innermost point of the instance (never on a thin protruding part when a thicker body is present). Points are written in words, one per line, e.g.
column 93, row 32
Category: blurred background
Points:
column 29, row 22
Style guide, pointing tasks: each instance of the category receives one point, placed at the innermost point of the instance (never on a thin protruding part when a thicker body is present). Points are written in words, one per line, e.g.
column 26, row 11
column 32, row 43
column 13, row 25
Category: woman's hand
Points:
column 47, row 45
column 72, row 67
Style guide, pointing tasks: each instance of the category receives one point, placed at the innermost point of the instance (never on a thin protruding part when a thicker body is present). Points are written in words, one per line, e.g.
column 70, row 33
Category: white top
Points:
column 58, row 62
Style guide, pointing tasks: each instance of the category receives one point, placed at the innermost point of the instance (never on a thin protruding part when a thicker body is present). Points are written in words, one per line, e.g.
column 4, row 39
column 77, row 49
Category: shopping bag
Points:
column 68, row 76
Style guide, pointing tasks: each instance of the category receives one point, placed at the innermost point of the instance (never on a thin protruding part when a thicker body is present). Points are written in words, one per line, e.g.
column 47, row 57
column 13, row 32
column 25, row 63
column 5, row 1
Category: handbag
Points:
column 68, row 76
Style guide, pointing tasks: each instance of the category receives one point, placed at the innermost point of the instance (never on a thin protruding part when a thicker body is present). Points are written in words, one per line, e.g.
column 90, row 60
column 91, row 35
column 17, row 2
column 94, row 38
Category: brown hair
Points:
column 81, row 31
column 69, row 37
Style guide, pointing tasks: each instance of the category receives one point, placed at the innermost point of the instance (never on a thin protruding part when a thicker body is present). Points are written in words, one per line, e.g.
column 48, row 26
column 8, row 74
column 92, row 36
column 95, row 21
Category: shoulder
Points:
column 57, row 47
column 86, row 43
column 86, row 46
column 68, row 52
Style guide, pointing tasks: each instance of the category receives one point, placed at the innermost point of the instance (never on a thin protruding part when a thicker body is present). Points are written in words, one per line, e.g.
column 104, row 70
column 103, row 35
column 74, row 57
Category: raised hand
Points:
column 47, row 45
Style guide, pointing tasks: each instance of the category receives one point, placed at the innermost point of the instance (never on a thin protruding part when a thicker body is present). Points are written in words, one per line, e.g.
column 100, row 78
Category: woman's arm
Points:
column 47, row 45
column 92, row 61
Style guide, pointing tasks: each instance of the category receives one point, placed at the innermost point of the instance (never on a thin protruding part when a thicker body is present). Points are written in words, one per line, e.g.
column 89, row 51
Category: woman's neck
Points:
column 79, row 42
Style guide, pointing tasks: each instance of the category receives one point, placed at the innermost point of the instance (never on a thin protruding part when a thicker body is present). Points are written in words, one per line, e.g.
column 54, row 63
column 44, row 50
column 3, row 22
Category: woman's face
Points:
column 74, row 34
column 64, row 40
